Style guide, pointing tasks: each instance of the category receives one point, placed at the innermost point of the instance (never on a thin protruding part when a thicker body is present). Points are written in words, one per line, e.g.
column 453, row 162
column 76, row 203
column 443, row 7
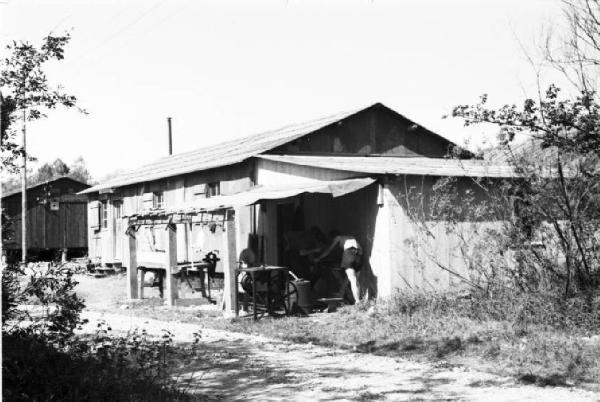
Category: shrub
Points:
column 35, row 370
column 43, row 360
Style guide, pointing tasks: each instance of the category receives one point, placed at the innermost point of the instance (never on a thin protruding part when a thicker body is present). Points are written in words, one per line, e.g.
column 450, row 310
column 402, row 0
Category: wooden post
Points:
column 229, row 258
column 132, row 270
column 170, row 264
column 141, row 274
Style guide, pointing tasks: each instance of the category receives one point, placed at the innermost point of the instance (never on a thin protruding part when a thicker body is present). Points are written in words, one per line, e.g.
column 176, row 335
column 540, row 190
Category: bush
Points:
column 58, row 307
column 35, row 370
column 43, row 360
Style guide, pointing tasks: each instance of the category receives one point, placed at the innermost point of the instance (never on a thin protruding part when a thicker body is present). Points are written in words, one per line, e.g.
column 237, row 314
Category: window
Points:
column 213, row 189
column 158, row 200
column 104, row 214
column 199, row 191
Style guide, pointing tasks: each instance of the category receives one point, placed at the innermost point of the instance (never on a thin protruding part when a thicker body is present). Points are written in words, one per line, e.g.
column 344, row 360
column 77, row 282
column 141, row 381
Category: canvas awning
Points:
column 336, row 188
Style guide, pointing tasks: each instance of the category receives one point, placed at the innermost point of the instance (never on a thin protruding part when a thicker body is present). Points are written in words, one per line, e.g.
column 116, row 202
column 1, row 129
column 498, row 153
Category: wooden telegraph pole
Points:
column 24, row 196
column 170, row 136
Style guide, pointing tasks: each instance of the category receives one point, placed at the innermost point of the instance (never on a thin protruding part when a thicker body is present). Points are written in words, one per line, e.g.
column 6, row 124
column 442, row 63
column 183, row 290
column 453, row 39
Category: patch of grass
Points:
column 447, row 345
column 524, row 336
column 370, row 396
column 509, row 333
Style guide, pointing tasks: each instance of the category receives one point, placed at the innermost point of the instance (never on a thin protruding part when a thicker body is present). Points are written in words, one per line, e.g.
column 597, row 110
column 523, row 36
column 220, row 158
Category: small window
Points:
column 213, row 189
column 158, row 200
column 104, row 214
column 199, row 191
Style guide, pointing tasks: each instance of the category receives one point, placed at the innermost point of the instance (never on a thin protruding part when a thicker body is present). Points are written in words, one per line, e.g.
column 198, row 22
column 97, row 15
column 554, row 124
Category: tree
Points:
column 29, row 96
column 552, row 230
column 576, row 53
column 79, row 171
column 10, row 151
column 44, row 173
column 50, row 171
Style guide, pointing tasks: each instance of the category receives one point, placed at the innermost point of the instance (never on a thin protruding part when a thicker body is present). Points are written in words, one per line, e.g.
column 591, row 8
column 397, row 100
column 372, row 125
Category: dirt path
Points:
column 248, row 367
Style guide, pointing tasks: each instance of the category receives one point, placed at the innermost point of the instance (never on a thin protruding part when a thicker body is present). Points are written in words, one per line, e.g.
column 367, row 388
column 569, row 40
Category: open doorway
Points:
column 290, row 219
column 287, row 225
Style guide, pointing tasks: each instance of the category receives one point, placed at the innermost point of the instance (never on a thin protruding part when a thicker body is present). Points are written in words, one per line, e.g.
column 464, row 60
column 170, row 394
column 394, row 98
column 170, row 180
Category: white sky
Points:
column 225, row 69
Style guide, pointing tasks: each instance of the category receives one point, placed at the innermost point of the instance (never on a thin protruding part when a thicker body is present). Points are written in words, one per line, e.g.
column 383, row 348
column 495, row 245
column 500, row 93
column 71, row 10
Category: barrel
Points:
column 304, row 296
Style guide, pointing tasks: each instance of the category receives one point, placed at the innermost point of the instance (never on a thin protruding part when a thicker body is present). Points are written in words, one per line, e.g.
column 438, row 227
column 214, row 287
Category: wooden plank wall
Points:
column 65, row 228
column 374, row 131
column 418, row 255
column 178, row 191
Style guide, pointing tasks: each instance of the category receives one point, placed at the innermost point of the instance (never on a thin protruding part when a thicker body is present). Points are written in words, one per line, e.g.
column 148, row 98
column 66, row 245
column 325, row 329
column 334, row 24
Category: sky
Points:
column 225, row 69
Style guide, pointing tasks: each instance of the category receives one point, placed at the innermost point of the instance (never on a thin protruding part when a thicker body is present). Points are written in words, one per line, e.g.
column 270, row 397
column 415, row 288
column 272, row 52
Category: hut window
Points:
column 104, row 214
column 199, row 191
column 213, row 189
column 158, row 200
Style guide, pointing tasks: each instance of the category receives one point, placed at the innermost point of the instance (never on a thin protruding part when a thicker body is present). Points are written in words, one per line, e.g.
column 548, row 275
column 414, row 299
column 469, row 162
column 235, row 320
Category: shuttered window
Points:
column 104, row 214
column 94, row 215
column 213, row 189
column 158, row 200
column 148, row 200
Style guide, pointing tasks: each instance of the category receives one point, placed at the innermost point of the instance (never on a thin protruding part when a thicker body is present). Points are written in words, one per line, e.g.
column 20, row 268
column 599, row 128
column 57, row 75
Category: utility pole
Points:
column 3, row 259
column 24, row 196
column 170, row 137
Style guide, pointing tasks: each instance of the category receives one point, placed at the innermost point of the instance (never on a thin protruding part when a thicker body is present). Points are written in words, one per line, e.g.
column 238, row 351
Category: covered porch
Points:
column 274, row 221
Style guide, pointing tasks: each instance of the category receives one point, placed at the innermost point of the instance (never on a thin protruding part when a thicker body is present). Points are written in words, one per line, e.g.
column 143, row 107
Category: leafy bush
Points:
column 43, row 360
column 102, row 368
column 57, row 307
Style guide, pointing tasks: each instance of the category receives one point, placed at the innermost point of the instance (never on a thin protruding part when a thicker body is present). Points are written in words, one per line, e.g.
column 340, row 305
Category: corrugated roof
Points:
column 223, row 154
column 400, row 165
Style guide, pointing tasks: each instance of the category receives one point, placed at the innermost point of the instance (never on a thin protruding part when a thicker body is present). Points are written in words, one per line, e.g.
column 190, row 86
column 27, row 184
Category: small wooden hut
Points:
column 56, row 219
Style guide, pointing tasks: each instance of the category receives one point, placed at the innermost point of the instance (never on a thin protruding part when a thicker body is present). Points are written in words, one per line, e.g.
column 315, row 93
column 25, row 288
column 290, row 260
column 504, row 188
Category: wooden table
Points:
column 200, row 267
column 182, row 268
column 269, row 270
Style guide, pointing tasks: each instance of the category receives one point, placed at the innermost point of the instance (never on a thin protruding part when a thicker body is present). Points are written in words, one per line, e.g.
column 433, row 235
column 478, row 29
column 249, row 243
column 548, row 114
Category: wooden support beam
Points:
column 140, row 282
column 132, row 271
column 171, row 264
column 229, row 259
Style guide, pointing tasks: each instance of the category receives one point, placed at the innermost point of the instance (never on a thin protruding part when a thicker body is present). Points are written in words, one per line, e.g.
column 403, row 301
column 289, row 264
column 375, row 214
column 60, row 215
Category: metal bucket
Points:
column 304, row 295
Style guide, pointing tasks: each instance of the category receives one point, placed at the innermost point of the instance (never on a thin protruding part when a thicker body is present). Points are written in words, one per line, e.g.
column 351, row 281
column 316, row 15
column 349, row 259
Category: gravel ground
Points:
column 249, row 367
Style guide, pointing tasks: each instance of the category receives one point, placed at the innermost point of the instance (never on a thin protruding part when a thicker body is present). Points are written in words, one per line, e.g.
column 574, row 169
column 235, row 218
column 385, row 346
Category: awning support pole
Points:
column 171, row 264
column 132, row 270
column 229, row 259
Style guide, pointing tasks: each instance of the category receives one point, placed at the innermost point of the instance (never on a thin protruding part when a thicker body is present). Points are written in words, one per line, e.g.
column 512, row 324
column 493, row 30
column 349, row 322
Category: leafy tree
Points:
column 44, row 173
column 49, row 171
column 27, row 93
column 78, row 171
column 10, row 151
column 546, row 236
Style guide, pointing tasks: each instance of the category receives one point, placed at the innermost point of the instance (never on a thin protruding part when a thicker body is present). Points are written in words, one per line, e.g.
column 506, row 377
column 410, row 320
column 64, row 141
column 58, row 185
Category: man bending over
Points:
column 346, row 252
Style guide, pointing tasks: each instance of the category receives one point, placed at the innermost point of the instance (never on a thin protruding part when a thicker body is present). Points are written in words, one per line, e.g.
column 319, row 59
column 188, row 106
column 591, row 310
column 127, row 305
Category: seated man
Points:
column 345, row 253
column 248, row 258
